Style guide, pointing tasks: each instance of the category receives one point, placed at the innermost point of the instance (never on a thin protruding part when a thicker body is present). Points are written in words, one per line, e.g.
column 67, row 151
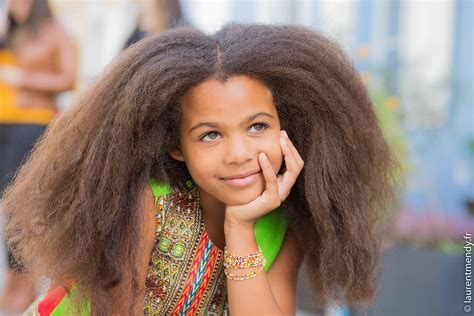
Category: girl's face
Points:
column 20, row 9
column 224, row 127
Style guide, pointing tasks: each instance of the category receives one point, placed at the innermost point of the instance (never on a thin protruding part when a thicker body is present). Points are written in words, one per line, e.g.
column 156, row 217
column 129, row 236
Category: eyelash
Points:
column 264, row 127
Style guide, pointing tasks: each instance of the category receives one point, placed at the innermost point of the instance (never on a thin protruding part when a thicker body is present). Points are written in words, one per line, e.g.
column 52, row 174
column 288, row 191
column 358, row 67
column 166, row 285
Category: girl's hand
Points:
column 11, row 76
column 276, row 191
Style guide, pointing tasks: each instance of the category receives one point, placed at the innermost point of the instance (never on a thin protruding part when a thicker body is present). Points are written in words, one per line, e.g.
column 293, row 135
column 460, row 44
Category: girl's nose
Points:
column 238, row 151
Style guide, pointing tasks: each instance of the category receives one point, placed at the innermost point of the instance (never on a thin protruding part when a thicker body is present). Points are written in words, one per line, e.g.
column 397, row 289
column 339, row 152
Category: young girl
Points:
column 175, row 185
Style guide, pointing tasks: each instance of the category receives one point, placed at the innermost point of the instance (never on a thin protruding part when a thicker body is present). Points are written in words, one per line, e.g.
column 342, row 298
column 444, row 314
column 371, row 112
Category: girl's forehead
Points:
column 238, row 96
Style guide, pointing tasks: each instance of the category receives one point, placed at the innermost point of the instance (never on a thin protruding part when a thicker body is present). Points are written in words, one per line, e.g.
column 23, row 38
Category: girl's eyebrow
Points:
column 216, row 125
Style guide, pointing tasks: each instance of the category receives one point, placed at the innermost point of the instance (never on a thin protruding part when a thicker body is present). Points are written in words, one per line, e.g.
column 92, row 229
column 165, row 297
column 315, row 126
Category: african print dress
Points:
column 186, row 272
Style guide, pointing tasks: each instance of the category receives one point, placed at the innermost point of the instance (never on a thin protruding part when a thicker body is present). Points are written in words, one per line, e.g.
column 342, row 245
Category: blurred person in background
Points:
column 156, row 16
column 37, row 62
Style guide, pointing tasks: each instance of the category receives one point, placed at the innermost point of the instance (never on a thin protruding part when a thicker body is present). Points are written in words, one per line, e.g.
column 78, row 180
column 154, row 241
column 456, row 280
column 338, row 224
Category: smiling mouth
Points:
column 242, row 180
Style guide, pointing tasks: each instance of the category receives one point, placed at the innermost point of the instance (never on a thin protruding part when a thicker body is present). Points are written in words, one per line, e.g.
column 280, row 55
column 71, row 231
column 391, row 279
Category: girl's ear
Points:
column 176, row 154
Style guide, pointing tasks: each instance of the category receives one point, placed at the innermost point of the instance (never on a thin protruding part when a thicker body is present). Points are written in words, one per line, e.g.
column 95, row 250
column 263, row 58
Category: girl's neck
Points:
column 213, row 214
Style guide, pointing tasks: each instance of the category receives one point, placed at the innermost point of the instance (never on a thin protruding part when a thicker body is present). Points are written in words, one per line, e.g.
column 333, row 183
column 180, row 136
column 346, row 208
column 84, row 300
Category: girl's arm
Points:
column 61, row 80
column 29, row 99
column 121, row 294
column 269, row 293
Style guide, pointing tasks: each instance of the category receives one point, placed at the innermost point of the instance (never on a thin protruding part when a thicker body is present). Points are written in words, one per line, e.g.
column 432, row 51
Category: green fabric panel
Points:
column 159, row 189
column 270, row 232
column 64, row 305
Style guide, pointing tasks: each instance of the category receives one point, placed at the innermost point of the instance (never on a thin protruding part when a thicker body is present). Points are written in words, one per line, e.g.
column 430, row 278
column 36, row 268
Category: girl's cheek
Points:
column 278, row 161
column 275, row 155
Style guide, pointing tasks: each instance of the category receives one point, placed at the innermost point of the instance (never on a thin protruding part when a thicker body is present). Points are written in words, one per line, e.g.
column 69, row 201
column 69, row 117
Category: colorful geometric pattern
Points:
column 198, row 279
column 186, row 273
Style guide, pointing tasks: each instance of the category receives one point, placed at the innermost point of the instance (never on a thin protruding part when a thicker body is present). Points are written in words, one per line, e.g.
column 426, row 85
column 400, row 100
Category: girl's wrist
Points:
column 240, row 240
column 233, row 224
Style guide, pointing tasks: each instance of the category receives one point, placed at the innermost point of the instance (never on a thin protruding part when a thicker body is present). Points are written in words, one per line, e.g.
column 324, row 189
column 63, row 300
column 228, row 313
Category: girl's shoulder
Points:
column 51, row 26
column 156, row 197
column 159, row 189
column 54, row 32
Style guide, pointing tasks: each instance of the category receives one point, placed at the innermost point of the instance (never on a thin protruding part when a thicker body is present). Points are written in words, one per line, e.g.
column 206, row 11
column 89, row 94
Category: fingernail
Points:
column 263, row 156
column 283, row 141
column 285, row 134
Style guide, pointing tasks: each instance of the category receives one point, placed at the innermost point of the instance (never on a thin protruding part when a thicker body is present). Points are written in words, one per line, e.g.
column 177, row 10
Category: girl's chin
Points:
column 243, row 198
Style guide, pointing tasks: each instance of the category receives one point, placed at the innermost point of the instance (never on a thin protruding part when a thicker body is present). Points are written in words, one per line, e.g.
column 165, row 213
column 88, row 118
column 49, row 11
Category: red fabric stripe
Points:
column 51, row 300
column 204, row 282
column 192, row 275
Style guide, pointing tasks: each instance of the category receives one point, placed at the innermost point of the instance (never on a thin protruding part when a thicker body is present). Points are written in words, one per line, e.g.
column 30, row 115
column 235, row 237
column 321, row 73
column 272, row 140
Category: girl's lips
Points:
column 242, row 182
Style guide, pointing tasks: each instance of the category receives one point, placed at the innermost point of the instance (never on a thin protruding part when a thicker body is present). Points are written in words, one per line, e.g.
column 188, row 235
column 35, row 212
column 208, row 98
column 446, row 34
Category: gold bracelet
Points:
column 242, row 277
column 255, row 259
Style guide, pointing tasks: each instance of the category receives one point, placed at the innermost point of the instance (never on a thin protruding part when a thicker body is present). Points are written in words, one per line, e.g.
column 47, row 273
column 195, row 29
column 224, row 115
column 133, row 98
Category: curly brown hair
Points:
column 74, row 206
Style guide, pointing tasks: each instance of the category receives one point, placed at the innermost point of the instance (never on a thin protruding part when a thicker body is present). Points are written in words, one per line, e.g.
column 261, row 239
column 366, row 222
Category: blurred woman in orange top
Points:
column 37, row 62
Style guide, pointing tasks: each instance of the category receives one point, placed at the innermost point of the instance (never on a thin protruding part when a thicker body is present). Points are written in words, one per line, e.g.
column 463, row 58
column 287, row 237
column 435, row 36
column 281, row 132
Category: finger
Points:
column 291, row 173
column 279, row 179
column 271, row 181
column 290, row 158
column 293, row 148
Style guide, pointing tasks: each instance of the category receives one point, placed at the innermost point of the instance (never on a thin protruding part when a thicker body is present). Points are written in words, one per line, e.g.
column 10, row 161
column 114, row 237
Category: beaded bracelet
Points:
column 242, row 277
column 255, row 259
